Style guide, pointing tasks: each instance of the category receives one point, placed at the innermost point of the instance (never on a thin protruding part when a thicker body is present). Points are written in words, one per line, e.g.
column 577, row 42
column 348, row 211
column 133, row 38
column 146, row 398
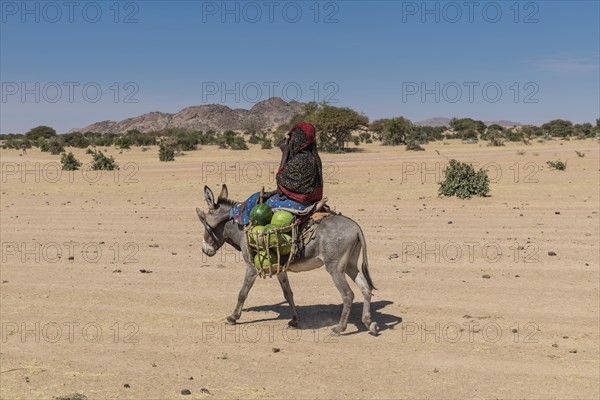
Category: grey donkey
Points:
column 337, row 245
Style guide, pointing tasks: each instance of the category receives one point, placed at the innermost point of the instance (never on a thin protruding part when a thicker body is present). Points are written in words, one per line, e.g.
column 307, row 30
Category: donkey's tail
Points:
column 365, row 262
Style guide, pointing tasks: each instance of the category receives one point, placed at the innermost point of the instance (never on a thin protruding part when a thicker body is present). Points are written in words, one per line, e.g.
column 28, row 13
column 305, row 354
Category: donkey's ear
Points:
column 224, row 193
column 210, row 198
column 200, row 214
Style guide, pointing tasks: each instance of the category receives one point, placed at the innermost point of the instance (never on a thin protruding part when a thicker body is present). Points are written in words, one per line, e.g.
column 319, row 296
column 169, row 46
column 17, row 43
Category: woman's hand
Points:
column 283, row 145
column 267, row 195
column 285, row 152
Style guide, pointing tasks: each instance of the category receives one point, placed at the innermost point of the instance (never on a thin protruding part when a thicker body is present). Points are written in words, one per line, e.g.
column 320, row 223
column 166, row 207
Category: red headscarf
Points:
column 309, row 132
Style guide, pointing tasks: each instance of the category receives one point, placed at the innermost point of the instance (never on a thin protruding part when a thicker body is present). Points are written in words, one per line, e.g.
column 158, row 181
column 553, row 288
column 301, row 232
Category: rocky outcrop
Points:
column 270, row 113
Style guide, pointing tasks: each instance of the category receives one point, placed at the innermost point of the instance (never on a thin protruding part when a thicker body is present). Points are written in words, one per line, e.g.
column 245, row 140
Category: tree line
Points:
column 337, row 127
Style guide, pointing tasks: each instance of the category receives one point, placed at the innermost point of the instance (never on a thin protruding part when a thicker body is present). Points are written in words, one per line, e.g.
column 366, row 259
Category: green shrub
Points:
column 230, row 139
column 558, row 165
column 123, row 142
column 17, row 142
column 365, row 137
column 186, row 140
column 55, row 146
column 89, row 151
column 166, row 152
column 278, row 137
column 253, row 139
column 469, row 136
column 414, row 146
column 496, row 138
column 137, row 138
column 209, row 137
column 69, row 162
column 514, row 136
column 100, row 139
column 75, row 139
column 461, row 180
column 103, row 163
column 266, row 144
column 43, row 144
column 238, row 143
column 425, row 134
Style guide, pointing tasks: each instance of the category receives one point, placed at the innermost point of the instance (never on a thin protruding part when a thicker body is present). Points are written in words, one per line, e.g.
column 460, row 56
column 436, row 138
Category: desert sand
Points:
column 494, row 297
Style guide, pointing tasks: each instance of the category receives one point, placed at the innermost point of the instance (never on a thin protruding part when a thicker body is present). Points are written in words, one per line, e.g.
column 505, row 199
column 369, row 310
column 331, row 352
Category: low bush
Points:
column 461, row 180
column 69, row 162
column 558, row 165
column 414, row 146
column 103, row 163
column 55, row 146
column 166, row 152
column 266, row 144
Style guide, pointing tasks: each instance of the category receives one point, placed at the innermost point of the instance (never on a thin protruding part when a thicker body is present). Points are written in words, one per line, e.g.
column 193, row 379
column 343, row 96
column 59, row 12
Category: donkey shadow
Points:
column 325, row 315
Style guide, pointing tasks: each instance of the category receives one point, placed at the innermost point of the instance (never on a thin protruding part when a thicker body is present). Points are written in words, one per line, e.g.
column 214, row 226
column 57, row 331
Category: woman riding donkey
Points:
column 338, row 240
column 300, row 175
column 299, row 178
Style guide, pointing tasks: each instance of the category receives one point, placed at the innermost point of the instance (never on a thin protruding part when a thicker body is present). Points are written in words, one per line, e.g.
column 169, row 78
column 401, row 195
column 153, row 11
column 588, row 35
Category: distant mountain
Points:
column 503, row 122
column 434, row 122
column 218, row 117
column 441, row 121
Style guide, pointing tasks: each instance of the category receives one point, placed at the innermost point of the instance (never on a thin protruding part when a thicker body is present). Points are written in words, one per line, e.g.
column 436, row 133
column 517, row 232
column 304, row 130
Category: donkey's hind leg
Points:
column 249, row 279
column 289, row 297
column 361, row 282
column 341, row 283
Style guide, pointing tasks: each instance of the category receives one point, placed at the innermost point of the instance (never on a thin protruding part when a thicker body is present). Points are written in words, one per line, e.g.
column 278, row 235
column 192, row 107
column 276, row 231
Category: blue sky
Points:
column 522, row 61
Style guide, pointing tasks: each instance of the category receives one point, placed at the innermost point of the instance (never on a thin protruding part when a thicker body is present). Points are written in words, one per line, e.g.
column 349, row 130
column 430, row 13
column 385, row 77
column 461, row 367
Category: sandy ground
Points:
column 471, row 302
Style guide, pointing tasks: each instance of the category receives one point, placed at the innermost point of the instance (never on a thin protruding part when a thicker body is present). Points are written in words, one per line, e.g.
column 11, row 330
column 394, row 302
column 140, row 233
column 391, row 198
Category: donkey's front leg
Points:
column 289, row 297
column 249, row 279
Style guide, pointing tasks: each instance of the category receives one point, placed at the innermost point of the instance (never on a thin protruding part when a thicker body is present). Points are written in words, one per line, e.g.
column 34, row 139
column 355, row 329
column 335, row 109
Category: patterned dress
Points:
column 301, row 175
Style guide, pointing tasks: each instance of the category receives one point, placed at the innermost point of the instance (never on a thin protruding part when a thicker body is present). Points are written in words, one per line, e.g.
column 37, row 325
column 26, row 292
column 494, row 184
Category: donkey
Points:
column 337, row 245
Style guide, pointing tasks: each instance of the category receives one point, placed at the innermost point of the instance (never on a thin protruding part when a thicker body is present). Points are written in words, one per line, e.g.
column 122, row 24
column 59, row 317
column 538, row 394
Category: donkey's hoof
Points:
column 374, row 329
column 336, row 331
column 293, row 323
column 231, row 320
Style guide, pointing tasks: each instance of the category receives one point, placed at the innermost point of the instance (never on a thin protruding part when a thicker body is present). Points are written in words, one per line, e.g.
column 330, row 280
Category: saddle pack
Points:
column 272, row 252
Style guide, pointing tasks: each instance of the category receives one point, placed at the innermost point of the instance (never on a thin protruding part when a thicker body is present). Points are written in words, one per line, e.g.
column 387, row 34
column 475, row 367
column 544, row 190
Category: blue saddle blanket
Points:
column 275, row 202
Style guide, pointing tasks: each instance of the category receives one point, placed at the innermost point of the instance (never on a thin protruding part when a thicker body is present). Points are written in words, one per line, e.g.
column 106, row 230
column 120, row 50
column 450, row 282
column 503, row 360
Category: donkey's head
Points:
column 214, row 220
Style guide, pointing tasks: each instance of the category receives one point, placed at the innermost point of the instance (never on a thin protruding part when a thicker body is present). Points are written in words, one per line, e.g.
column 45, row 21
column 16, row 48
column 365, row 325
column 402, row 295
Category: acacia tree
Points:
column 335, row 125
column 308, row 114
column 558, row 128
column 530, row 131
column 397, row 131
column 377, row 127
column 41, row 131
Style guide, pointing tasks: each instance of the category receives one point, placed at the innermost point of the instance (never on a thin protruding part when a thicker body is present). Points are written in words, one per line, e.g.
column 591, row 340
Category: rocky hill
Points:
column 272, row 112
